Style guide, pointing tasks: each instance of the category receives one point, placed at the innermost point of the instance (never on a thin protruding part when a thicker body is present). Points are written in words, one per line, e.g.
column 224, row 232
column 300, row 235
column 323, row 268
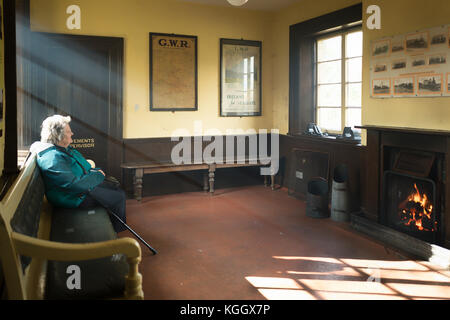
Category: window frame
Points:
column 301, row 62
column 343, row 32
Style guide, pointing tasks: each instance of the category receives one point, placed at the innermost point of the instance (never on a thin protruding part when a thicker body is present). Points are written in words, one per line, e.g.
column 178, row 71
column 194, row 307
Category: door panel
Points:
column 84, row 96
column 80, row 76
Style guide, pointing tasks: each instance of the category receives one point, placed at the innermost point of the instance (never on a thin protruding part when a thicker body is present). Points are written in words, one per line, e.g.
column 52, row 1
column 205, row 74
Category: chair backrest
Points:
column 19, row 212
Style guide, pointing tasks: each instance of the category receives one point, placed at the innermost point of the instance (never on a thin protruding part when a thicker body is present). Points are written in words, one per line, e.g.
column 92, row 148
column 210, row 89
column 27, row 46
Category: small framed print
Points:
column 403, row 86
column 429, row 84
column 381, row 87
column 381, row 48
column 447, row 86
column 380, row 67
column 398, row 47
column 417, row 42
column 418, row 61
column 437, row 59
column 240, row 78
column 398, row 64
column 438, row 37
column 448, row 37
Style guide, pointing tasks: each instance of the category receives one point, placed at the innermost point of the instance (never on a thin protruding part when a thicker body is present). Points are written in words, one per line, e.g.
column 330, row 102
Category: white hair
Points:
column 53, row 128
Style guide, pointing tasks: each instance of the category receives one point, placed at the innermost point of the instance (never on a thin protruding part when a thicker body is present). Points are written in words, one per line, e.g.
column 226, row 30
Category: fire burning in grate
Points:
column 416, row 212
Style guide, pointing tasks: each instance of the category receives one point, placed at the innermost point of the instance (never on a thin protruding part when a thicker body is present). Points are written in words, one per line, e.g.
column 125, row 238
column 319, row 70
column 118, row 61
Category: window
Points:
column 338, row 65
column 303, row 85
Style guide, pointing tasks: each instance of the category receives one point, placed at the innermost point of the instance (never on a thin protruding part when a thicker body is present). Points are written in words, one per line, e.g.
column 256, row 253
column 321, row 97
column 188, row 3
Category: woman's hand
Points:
column 91, row 162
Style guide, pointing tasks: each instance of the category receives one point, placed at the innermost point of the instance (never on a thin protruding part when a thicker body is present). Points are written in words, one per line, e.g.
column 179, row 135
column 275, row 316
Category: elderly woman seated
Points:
column 70, row 180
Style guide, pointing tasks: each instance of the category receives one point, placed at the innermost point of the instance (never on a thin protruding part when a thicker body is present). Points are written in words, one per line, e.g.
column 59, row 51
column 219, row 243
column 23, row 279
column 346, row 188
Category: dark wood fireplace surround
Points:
column 382, row 139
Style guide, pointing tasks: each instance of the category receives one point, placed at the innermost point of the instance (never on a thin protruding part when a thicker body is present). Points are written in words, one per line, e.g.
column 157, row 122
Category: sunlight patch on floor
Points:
column 284, row 294
column 345, row 271
column 353, row 279
column 273, row 282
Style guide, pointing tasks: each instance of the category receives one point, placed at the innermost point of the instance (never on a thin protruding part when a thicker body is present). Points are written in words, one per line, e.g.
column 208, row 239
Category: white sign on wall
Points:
column 416, row 64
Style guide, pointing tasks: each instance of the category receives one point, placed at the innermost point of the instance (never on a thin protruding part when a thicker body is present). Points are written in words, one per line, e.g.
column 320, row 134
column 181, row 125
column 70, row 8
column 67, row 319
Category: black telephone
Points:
column 313, row 129
column 348, row 134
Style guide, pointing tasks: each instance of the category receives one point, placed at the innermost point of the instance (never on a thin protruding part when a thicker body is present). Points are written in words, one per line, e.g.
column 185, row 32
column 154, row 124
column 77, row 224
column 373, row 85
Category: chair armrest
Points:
column 60, row 251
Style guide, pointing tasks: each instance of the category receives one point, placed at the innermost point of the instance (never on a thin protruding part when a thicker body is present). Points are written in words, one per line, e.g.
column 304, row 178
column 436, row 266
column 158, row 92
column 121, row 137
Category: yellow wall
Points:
column 133, row 20
column 400, row 17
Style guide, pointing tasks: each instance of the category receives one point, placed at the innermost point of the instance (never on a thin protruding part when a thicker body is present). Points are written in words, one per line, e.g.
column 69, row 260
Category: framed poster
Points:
column 173, row 72
column 240, row 78
column 417, row 64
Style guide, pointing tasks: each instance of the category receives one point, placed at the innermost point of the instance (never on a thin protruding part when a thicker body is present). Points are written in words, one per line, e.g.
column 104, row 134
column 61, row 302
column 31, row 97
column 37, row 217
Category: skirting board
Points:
column 424, row 250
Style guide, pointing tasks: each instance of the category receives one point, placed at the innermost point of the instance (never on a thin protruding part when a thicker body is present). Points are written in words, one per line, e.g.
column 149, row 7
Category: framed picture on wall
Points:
column 240, row 78
column 173, row 72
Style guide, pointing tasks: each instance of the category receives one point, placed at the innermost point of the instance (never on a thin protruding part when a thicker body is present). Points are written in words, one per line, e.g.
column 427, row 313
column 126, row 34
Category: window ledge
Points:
column 330, row 138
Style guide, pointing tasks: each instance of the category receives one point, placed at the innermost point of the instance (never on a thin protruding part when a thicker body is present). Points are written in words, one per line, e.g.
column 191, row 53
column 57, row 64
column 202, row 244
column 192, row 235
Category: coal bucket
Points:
column 340, row 195
column 317, row 198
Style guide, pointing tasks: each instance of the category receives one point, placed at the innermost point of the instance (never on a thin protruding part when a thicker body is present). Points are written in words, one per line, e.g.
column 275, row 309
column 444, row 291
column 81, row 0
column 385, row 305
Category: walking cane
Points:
column 126, row 226
column 133, row 232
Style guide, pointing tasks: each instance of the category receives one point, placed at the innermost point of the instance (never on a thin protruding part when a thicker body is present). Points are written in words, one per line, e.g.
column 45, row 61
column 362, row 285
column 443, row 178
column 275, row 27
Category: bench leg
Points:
column 205, row 182
column 138, row 176
column 212, row 169
column 272, row 181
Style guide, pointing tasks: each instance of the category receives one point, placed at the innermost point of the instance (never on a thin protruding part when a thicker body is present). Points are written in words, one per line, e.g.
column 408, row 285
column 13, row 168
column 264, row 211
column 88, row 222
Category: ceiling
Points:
column 265, row 5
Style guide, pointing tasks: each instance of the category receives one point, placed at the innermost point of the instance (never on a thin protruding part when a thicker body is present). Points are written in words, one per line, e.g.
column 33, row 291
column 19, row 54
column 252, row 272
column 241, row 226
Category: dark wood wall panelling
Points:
column 352, row 155
column 160, row 149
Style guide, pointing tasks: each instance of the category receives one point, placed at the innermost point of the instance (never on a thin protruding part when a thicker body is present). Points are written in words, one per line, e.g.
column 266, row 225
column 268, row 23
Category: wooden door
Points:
column 80, row 76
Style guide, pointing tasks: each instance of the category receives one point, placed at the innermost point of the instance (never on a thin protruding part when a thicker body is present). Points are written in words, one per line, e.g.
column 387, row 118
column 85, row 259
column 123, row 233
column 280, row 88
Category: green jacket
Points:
column 67, row 176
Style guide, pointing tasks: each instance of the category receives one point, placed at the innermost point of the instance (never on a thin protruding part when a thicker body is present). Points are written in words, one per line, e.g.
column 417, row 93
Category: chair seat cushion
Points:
column 99, row 278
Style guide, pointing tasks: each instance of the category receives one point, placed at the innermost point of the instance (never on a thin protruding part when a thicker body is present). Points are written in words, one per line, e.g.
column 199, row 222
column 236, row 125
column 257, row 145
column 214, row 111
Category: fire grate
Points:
column 409, row 205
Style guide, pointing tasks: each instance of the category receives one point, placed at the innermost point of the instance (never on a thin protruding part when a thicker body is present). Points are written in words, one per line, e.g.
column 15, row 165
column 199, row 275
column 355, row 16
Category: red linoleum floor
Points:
column 255, row 243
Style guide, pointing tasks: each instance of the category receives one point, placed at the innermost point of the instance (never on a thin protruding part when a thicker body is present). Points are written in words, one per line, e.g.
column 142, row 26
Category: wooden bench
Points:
column 140, row 168
column 50, row 253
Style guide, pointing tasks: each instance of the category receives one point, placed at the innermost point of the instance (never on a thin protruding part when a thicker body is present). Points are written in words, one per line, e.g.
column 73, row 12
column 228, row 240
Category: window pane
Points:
column 329, row 95
column 354, row 70
column 352, row 117
column 353, row 95
column 329, row 49
column 329, row 118
column 353, row 44
column 329, row 72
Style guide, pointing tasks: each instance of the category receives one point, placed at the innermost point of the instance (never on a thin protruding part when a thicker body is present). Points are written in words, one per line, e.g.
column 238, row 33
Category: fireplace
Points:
column 407, row 189
column 412, row 198
column 406, row 196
